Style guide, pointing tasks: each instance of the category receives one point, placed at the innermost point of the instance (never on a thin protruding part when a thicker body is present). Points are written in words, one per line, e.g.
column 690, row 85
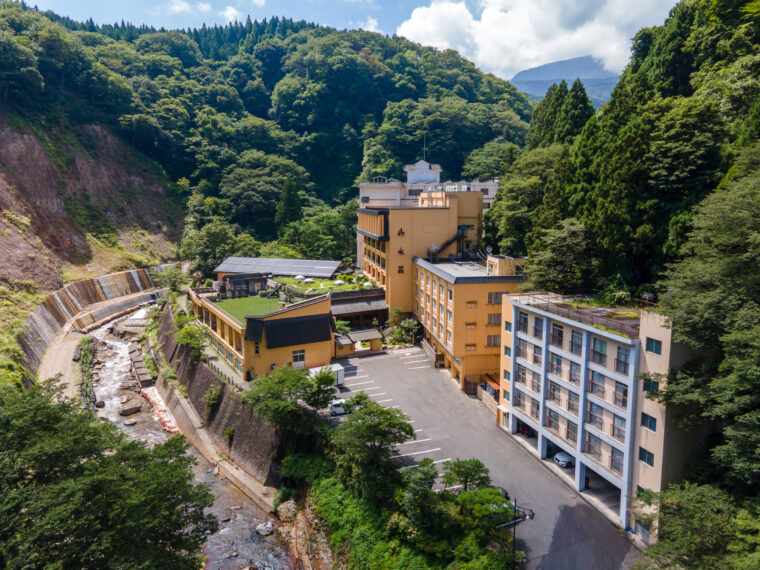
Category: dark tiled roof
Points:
column 369, row 334
column 364, row 306
column 289, row 267
column 290, row 332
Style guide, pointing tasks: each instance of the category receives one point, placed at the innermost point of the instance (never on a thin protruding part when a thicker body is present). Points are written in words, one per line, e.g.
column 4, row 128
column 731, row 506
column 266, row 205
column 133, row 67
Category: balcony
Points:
column 621, row 366
column 556, row 340
column 599, row 357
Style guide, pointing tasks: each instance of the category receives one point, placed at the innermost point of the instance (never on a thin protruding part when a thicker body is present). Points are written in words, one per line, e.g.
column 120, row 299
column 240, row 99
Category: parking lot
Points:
column 566, row 532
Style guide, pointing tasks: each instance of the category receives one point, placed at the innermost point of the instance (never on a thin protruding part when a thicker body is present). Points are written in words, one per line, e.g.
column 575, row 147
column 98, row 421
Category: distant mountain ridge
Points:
column 598, row 82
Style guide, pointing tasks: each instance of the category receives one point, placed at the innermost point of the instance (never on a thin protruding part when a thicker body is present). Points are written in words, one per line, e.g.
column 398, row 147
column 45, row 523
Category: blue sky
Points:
column 500, row 36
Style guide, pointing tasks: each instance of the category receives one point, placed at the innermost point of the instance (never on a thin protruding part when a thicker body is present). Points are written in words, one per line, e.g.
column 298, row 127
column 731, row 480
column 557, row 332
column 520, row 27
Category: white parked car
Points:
column 337, row 408
column 564, row 459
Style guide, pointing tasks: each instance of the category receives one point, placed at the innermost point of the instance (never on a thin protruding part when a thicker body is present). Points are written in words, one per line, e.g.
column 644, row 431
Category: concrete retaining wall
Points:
column 47, row 319
column 254, row 441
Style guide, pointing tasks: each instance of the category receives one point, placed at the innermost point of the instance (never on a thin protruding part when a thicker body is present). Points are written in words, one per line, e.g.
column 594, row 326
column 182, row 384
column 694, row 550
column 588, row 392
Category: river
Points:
column 236, row 545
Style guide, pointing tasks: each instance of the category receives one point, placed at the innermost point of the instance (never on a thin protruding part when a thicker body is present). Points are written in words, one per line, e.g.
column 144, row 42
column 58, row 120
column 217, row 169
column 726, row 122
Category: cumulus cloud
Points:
column 232, row 14
column 203, row 7
column 258, row 3
column 506, row 36
column 370, row 24
column 178, row 7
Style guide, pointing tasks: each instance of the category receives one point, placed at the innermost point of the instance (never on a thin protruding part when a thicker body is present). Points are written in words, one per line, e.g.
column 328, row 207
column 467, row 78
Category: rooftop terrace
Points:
column 620, row 320
column 242, row 307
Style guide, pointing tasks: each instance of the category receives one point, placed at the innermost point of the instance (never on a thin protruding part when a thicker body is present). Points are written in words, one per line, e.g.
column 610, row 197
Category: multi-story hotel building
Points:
column 570, row 375
column 459, row 307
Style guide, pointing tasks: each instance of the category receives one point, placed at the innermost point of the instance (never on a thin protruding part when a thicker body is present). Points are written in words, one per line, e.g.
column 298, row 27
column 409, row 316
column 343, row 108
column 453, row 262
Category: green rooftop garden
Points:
column 326, row 285
column 239, row 308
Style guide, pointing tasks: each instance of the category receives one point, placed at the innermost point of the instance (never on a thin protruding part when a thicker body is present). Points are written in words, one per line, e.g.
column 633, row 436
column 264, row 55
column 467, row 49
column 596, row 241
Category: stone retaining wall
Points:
column 254, row 441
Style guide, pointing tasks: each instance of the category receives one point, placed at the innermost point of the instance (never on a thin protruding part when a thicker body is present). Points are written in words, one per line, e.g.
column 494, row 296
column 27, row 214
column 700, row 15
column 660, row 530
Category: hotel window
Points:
column 435, row 305
column 621, row 395
column 449, row 315
column 416, row 291
column 554, row 392
column 494, row 319
column 618, row 428
column 556, row 337
column 493, row 340
column 555, row 364
column 256, row 349
column 595, row 414
column 507, row 351
column 623, row 359
column 440, row 290
column 435, row 323
column 537, row 356
column 416, row 307
column 469, row 326
column 448, row 336
column 400, row 268
column 616, row 461
column 435, row 281
column 427, row 279
column 597, row 384
column 451, row 294
column 522, row 322
column 535, row 408
column 648, row 422
column 521, row 350
column 594, row 446
column 575, row 373
column 519, row 399
column 651, row 386
column 576, row 342
column 506, row 375
column 440, row 309
column 299, row 359
column 599, row 352
column 469, row 347
column 427, row 298
column 654, row 346
column 507, row 326
column 416, row 273
column 572, row 402
column 440, row 330
column 494, row 298
column 646, row 456
column 538, row 327
column 552, row 420
column 520, row 374
column 571, row 432
column 472, row 304
column 535, row 382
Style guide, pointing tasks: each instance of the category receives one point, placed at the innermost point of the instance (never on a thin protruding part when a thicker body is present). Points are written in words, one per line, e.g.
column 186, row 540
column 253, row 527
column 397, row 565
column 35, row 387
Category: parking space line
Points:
column 434, row 462
column 418, row 367
column 357, row 377
column 419, row 452
column 442, row 460
column 415, row 441
column 380, row 394
column 394, row 407
column 388, row 400
column 421, row 429
column 360, row 383
column 372, row 388
column 416, row 361
column 410, row 356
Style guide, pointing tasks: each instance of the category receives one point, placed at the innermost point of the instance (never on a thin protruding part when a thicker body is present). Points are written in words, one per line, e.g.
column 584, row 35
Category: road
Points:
column 58, row 359
column 566, row 533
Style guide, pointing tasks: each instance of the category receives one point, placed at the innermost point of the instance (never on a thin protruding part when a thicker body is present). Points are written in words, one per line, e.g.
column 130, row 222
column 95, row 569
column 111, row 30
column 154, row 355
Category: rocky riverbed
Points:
column 236, row 545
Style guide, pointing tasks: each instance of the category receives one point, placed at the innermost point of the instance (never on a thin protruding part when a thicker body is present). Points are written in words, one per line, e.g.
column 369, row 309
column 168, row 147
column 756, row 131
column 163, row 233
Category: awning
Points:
column 488, row 379
column 365, row 335
column 358, row 307
column 502, row 409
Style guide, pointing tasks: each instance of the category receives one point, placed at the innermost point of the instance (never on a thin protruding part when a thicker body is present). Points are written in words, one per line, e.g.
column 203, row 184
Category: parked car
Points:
column 503, row 491
column 564, row 459
column 337, row 408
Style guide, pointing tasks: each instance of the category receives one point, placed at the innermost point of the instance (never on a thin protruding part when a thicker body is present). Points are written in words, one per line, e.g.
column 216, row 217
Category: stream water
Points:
column 236, row 545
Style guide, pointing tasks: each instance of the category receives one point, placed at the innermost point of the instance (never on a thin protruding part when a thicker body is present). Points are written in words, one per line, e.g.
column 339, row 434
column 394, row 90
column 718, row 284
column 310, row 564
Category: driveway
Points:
column 566, row 533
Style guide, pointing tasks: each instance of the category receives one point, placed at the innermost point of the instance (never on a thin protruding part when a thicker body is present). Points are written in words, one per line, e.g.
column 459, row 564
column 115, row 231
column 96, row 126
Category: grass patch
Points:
column 239, row 308
column 17, row 300
column 317, row 286
column 90, row 218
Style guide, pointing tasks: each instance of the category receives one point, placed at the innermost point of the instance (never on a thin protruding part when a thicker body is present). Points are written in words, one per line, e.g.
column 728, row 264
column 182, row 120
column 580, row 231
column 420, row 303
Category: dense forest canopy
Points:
column 233, row 112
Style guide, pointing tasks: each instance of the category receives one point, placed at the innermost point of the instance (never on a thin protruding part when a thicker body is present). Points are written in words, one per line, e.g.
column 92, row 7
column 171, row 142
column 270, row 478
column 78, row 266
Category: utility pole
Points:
column 424, row 146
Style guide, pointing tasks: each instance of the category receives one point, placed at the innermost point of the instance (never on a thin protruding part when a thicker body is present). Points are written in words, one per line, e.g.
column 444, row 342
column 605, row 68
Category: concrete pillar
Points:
column 543, row 446
column 512, row 423
column 580, row 476
column 624, row 508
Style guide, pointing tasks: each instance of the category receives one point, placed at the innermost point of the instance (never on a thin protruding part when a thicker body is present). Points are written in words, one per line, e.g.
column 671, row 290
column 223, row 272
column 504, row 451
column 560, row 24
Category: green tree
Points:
column 575, row 111
column 563, row 259
column 547, row 117
column 469, row 473
column 172, row 277
column 490, row 160
column 78, row 493
column 363, row 446
column 694, row 526
column 289, row 206
column 213, row 243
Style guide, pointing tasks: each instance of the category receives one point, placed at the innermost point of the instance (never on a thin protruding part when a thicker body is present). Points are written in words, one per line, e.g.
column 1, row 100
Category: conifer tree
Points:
column 575, row 111
column 289, row 206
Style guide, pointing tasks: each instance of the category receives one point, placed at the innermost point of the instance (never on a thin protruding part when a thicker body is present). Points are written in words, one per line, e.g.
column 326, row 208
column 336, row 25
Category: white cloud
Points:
column 510, row 35
column 178, row 7
column 259, row 3
column 203, row 7
column 370, row 24
column 232, row 14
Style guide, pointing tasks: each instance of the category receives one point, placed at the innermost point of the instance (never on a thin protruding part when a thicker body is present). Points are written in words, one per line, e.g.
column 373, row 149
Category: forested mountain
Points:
column 597, row 81
column 233, row 112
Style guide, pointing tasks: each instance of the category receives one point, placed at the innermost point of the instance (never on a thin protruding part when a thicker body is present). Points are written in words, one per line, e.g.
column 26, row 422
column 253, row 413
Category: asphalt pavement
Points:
column 566, row 533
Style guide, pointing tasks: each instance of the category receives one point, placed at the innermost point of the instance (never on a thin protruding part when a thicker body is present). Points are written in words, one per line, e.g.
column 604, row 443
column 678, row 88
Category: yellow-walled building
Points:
column 255, row 335
column 459, row 307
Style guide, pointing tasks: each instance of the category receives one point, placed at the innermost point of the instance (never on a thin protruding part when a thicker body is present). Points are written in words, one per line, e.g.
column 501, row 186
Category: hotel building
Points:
column 570, row 375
